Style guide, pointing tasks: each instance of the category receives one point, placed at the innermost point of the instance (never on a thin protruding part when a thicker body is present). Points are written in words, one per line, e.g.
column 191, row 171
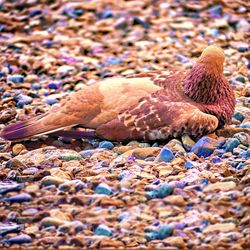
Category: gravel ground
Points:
column 67, row 193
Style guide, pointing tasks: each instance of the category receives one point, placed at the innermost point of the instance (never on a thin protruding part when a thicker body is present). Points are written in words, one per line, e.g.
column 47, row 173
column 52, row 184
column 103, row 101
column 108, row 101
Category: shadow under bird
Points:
column 151, row 106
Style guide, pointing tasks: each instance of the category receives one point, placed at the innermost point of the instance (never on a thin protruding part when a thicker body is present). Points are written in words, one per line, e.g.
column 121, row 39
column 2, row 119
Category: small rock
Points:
column 222, row 186
column 20, row 239
column 164, row 231
column 106, row 144
column 161, row 191
column 220, row 227
column 244, row 138
column 19, row 198
column 15, row 78
column 103, row 230
column 205, row 146
column 18, row 148
column 10, row 228
column 10, row 187
column 166, row 155
column 103, row 188
column 187, row 142
column 230, row 144
column 52, row 180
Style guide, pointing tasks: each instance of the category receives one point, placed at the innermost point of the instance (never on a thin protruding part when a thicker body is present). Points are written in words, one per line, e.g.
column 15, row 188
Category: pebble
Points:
column 103, row 188
column 106, row 145
column 19, row 198
column 166, row 155
column 187, row 142
column 20, row 239
column 230, row 144
column 222, row 186
column 103, row 230
column 10, row 187
column 220, row 227
column 161, row 191
column 15, row 78
column 161, row 233
column 204, row 147
column 10, row 228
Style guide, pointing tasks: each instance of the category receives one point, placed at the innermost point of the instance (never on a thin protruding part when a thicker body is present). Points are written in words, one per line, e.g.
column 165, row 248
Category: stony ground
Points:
column 177, row 194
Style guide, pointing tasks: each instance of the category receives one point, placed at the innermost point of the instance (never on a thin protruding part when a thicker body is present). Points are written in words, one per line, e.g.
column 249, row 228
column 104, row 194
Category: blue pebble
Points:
column 188, row 164
column 16, row 78
column 10, row 187
column 161, row 191
column 123, row 174
column 139, row 21
column 106, row 144
column 243, row 49
column 240, row 78
column 151, row 236
column 114, row 60
column 6, row 95
column 245, row 125
column 188, row 207
column 20, row 239
column 204, row 181
column 48, row 43
column 182, row 58
column 53, row 85
column 240, row 165
column 36, row 86
column 107, row 14
column 103, row 188
column 51, row 101
column 245, row 154
column 230, row 144
column 10, row 228
column 164, row 231
column 204, row 147
column 2, row 74
column 34, row 13
column 86, row 153
column 215, row 9
column 123, row 216
column 22, row 100
column 103, row 230
column 238, row 116
column 215, row 160
column 19, row 198
column 166, row 155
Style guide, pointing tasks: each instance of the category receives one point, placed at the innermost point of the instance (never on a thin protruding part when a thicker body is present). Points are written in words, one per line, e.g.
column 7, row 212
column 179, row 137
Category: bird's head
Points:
column 213, row 58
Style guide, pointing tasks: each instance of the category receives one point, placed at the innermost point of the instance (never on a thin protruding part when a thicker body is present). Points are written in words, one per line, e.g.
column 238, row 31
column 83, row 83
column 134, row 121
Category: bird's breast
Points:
column 120, row 94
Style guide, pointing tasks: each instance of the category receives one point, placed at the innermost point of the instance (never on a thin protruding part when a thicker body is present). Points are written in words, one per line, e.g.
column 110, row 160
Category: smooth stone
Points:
column 175, row 145
column 220, row 227
column 103, row 230
column 51, row 101
column 245, row 154
column 205, row 146
column 10, row 187
column 19, row 198
column 187, row 142
column 222, row 186
column 244, row 138
column 239, row 116
column 164, row 231
column 15, row 78
column 190, row 164
column 50, row 221
column 161, row 191
column 103, row 188
column 22, row 100
column 165, row 155
column 20, row 239
column 10, row 228
column 57, row 172
column 36, row 86
column 87, row 153
column 52, row 180
column 18, row 148
column 245, row 125
column 65, row 69
column 230, row 144
column 106, row 144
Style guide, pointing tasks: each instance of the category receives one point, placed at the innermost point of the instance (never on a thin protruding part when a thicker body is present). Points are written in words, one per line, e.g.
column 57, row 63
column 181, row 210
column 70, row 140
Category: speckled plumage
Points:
column 152, row 105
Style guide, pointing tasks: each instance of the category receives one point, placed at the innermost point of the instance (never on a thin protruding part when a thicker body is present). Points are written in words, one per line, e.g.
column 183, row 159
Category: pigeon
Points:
column 154, row 105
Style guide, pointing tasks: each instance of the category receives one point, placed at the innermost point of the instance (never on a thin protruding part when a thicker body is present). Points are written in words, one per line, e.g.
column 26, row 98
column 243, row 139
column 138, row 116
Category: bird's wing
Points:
column 158, row 117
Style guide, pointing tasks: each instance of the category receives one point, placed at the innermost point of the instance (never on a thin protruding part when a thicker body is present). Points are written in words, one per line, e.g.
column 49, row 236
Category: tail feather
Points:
column 27, row 129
